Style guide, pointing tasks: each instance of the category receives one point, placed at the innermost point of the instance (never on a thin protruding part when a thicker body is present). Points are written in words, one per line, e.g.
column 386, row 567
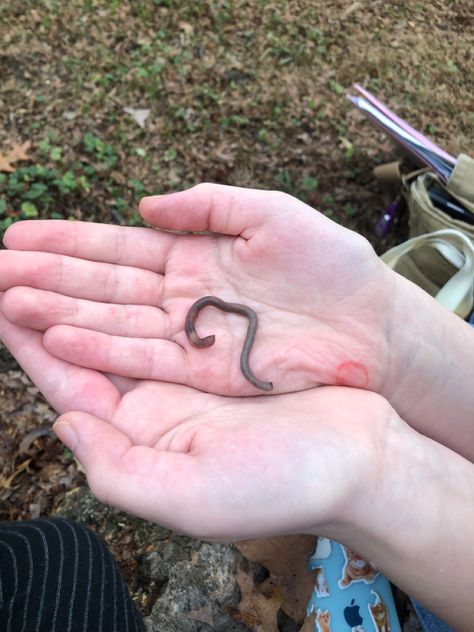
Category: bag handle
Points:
column 457, row 294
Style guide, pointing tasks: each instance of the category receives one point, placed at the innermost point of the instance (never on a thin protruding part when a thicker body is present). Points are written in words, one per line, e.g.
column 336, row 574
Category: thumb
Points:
column 217, row 208
column 87, row 436
column 154, row 485
column 96, row 444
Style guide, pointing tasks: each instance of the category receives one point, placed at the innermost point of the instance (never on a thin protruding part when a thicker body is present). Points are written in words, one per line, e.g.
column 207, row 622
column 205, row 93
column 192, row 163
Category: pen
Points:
column 450, row 206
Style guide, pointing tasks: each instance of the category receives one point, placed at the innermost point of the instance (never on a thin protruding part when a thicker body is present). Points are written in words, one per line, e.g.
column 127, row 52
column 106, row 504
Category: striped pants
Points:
column 57, row 576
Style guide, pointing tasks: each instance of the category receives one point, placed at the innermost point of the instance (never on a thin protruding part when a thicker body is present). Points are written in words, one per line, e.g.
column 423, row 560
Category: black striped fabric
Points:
column 57, row 576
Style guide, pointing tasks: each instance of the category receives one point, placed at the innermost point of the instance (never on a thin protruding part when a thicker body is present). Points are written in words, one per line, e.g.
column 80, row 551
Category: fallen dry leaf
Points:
column 5, row 165
column 186, row 27
column 204, row 615
column 286, row 559
column 309, row 624
column 350, row 9
column 258, row 612
column 16, row 153
column 138, row 115
column 5, row 483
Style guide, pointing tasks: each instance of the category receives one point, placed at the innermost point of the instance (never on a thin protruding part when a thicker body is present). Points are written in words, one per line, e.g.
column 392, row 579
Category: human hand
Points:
column 213, row 466
column 332, row 461
column 233, row 468
column 115, row 299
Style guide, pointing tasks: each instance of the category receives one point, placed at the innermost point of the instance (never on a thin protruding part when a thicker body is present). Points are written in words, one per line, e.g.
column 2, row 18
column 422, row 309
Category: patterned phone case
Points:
column 350, row 595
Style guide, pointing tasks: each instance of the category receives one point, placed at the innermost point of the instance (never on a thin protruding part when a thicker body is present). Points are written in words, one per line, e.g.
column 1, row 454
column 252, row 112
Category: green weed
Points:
column 44, row 189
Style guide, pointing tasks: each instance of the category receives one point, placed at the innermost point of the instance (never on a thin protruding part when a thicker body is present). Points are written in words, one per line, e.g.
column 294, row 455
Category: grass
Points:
column 250, row 94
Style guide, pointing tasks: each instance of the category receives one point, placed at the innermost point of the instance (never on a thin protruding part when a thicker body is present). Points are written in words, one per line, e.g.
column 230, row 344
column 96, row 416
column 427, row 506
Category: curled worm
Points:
column 208, row 341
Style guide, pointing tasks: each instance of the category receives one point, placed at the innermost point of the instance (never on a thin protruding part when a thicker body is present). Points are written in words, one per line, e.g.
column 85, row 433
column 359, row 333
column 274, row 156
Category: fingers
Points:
column 137, row 247
column 157, row 486
column 65, row 386
column 129, row 357
column 80, row 278
column 40, row 309
column 217, row 208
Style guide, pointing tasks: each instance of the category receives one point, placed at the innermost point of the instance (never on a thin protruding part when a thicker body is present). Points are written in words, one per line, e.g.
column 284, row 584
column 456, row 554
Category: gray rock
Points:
column 205, row 582
column 189, row 578
column 186, row 574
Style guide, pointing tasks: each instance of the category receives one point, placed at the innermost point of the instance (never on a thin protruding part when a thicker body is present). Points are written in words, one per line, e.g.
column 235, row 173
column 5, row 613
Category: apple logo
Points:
column 352, row 616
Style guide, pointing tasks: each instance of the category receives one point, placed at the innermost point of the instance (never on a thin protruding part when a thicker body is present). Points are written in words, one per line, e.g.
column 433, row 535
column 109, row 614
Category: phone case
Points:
column 350, row 595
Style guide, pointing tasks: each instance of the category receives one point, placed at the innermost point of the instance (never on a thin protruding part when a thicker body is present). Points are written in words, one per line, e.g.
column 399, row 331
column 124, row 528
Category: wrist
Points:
column 380, row 483
column 429, row 367
column 415, row 524
column 372, row 457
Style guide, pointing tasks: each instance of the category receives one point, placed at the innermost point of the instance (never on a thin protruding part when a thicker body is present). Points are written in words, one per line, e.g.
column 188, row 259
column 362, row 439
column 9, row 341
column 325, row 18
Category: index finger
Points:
column 123, row 245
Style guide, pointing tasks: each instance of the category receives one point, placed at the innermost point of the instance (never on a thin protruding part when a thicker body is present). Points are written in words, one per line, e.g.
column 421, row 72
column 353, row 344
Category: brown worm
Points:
column 208, row 341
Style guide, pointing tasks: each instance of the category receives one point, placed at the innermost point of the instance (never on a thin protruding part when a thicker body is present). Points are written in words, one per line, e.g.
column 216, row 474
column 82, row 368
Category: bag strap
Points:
column 457, row 294
column 390, row 176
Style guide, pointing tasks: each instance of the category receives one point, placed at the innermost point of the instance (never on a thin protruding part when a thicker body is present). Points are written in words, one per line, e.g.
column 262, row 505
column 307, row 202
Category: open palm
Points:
column 115, row 299
column 213, row 466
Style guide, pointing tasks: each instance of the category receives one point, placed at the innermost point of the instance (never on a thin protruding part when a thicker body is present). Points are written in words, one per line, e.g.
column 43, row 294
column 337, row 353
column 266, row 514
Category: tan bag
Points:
column 439, row 257
column 426, row 218
column 441, row 263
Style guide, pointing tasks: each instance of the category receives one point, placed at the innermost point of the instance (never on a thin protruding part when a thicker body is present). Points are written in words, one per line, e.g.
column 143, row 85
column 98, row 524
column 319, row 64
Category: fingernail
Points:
column 66, row 434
